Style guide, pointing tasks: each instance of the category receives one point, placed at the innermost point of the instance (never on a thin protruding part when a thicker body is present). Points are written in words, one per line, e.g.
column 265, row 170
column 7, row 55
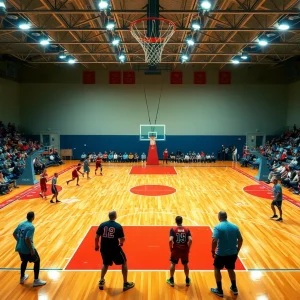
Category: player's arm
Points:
column 28, row 238
column 190, row 240
column 240, row 241
column 15, row 234
column 171, row 239
column 214, row 243
column 97, row 237
column 121, row 237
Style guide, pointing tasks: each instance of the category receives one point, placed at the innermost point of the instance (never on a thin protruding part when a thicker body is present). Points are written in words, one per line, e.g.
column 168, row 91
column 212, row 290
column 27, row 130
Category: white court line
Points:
column 166, row 270
column 77, row 247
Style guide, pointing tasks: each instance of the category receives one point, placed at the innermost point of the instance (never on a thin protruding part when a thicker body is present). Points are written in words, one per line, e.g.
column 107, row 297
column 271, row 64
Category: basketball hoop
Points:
column 152, row 34
column 152, row 140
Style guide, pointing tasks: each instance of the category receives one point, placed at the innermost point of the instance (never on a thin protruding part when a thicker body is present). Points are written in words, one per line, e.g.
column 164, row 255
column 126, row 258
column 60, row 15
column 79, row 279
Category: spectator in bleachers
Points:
column 136, row 157
column 143, row 157
column 115, row 157
column 213, row 158
column 125, row 157
column 83, row 156
column 120, row 157
column 276, row 173
column 130, row 157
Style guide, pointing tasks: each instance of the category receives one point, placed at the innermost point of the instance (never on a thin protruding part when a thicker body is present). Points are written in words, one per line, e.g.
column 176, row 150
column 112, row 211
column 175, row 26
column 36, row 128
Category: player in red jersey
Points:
column 75, row 174
column 43, row 184
column 98, row 165
column 180, row 243
column 166, row 155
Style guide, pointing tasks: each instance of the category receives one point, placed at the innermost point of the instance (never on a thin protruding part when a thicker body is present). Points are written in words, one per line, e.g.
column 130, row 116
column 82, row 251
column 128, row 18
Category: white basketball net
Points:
column 153, row 43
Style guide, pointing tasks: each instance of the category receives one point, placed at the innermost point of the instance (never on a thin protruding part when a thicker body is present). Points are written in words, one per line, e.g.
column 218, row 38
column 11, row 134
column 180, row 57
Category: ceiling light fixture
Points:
column 116, row 41
column 184, row 57
column 196, row 25
column 190, row 41
column 2, row 4
column 71, row 60
column 44, row 41
column 25, row 26
column 235, row 60
column 103, row 4
column 205, row 5
column 110, row 24
column 62, row 55
column 244, row 55
column 283, row 26
column 263, row 42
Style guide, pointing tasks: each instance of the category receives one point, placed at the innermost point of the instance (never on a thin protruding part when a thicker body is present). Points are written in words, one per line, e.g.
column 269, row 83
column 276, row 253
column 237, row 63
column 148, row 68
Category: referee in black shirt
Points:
column 112, row 239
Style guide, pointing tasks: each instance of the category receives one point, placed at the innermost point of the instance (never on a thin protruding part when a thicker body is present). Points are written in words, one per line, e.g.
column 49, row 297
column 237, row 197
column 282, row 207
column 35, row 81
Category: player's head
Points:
column 222, row 215
column 178, row 220
column 56, row 175
column 275, row 180
column 79, row 165
column 112, row 215
column 30, row 216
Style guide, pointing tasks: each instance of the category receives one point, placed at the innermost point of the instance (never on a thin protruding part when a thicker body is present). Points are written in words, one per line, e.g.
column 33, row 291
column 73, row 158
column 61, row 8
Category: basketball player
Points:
column 180, row 242
column 23, row 234
column 277, row 191
column 166, row 155
column 86, row 167
column 43, row 184
column 98, row 165
column 54, row 189
column 75, row 174
column 112, row 239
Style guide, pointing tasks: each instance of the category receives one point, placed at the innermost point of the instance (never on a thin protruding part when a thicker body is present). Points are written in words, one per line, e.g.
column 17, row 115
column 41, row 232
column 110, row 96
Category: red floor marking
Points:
column 258, row 191
column 268, row 187
column 29, row 190
column 34, row 193
column 147, row 248
column 153, row 170
column 152, row 190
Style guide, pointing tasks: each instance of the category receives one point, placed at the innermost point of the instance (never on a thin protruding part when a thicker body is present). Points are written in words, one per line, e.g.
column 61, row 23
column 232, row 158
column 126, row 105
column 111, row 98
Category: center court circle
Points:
column 152, row 190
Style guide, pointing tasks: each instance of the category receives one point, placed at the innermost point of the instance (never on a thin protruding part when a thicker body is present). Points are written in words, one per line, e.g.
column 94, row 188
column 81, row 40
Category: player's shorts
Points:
column 227, row 261
column 111, row 256
column 182, row 254
column 86, row 169
column 54, row 190
column 29, row 257
column 98, row 166
column 74, row 174
column 277, row 203
column 43, row 187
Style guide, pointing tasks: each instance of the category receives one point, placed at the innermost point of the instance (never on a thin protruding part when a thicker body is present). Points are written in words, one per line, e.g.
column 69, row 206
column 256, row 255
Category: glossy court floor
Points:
column 147, row 205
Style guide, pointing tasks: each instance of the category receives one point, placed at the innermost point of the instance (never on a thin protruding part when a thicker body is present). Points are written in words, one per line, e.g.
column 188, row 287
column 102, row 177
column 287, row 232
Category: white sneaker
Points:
column 22, row 280
column 38, row 282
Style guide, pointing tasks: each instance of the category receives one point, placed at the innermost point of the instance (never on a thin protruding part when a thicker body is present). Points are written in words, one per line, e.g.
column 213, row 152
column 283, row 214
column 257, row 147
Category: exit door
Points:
column 50, row 140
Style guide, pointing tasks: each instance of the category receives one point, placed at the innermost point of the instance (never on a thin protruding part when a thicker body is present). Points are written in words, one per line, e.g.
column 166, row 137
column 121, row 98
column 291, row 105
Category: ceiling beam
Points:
column 165, row 12
column 229, row 29
column 136, row 43
column 143, row 62
column 142, row 54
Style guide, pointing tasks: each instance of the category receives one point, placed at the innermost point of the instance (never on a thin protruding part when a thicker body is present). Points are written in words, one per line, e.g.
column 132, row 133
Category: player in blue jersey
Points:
column 112, row 239
column 23, row 234
column 277, row 191
column 54, row 189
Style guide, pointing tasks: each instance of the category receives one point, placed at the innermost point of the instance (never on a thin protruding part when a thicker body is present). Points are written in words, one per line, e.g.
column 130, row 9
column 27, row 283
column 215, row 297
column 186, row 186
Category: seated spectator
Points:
column 256, row 163
column 208, row 158
column 143, row 157
column 104, row 156
column 120, row 157
column 4, row 189
column 276, row 173
column 125, row 157
column 172, row 157
column 38, row 166
column 202, row 154
column 213, row 158
column 115, row 157
column 136, row 157
column 110, row 157
column 198, row 157
column 130, row 157
column 186, row 158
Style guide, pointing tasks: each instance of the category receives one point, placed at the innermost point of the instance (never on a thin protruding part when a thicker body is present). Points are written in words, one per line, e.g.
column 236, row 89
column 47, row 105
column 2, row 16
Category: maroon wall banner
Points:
column 115, row 77
column 176, row 78
column 200, row 77
column 88, row 77
column 128, row 77
column 224, row 77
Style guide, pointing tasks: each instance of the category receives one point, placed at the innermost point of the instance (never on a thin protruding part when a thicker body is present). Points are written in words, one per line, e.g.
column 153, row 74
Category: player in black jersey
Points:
column 112, row 239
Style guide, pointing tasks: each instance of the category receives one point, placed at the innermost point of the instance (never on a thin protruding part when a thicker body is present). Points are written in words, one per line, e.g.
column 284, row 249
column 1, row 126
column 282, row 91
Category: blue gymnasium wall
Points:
column 131, row 143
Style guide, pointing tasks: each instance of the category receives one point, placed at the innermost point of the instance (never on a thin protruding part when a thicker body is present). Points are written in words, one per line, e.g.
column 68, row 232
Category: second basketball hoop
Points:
column 152, row 34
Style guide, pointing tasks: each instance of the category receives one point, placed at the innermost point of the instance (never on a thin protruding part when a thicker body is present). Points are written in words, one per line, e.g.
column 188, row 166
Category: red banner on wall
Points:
column 176, row 78
column 88, row 77
column 129, row 77
column 115, row 77
column 200, row 77
column 224, row 77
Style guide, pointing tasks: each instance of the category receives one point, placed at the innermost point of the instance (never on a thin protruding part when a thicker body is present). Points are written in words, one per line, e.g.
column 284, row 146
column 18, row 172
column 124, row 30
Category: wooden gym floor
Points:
column 270, row 251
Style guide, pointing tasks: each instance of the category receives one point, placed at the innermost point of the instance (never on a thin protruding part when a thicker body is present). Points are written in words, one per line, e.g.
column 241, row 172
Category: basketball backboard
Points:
column 159, row 131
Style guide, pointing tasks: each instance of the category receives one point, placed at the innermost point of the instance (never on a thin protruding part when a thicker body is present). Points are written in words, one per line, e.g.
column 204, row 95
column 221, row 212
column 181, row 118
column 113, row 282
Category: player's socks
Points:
column 67, row 182
column 187, row 281
column 233, row 284
column 25, row 277
column 279, row 220
column 275, row 216
column 41, row 195
column 101, row 284
column 127, row 286
column 170, row 281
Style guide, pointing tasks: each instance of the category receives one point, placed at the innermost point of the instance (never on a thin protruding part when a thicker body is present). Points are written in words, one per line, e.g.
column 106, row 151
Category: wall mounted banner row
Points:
column 176, row 77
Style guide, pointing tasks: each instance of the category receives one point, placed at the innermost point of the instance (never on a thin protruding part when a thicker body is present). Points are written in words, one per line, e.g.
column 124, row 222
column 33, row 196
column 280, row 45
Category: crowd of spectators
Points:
column 283, row 157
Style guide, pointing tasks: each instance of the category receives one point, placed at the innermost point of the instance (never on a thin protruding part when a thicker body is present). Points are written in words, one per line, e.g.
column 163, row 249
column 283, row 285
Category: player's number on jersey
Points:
column 180, row 238
column 109, row 232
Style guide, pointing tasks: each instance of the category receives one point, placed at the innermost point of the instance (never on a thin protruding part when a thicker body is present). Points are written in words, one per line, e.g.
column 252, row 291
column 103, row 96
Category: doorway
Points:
column 255, row 140
column 50, row 140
